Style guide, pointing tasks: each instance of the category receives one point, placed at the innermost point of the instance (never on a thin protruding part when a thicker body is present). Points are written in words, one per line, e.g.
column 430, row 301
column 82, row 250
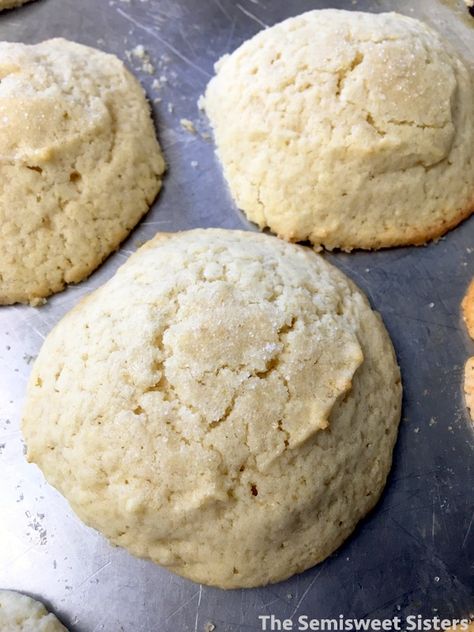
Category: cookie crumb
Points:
column 187, row 125
column 140, row 53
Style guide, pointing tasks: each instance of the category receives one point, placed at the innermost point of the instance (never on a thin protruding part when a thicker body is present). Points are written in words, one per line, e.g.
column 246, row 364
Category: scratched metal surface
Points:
column 414, row 553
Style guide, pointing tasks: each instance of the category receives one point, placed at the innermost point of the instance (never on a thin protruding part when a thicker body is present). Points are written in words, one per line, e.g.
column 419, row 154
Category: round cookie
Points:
column 467, row 306
column 348, row 129
column 226, row 406
column 19, row 613
column 79, row 164
column 462, row 625
column 469, row 386
column 9, row 4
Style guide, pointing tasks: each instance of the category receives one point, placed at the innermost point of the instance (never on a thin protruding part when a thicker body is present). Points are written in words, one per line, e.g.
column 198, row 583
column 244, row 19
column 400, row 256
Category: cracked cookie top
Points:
column 350, row 129
column 79, row 161
column 225, row 405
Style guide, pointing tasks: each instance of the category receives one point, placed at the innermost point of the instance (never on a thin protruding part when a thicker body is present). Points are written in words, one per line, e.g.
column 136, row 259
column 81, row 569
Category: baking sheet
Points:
column 414, row 553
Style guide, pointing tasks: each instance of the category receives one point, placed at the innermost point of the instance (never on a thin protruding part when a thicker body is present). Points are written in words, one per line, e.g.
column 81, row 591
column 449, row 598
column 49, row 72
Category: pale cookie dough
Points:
column 469, row 386
column 348, row 129
column 19, row 613
column 9, row 4
column 225, row 405
column 468, row 309
column 79, row 164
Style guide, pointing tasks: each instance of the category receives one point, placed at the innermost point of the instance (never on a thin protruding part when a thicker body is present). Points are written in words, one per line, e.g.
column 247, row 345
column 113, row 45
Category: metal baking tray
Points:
column 413, row 555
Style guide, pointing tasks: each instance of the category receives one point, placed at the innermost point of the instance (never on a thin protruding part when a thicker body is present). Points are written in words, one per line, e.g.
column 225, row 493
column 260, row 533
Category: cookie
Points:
column 461, row 625
column 19, row 613
column 9, row 4
column 348, row 129
column 80, row 164
column 469, row 385
column 467, row 306
column 226, row 406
